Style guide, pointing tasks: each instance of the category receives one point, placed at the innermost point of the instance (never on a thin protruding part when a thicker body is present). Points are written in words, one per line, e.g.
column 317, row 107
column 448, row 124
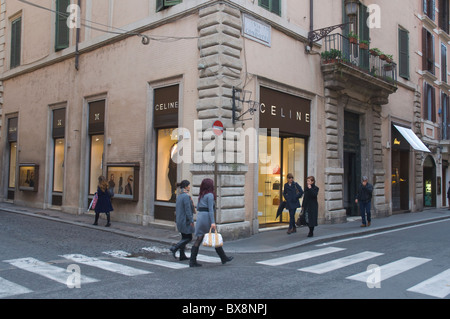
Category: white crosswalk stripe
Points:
column 126, row 256
column 200, row 257
column 106, row 265
column 299, row 257
column 391, row 269
column 340, row 263
column 9, row 289
column 52, row 272
column 437, row 286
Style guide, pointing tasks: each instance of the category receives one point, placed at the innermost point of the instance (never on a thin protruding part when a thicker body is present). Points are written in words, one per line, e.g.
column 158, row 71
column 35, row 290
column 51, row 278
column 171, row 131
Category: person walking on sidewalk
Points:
column 184, row 218
column 292, row 192
column 364, row 199
column 448, row 195
column 205, row 221
column 104, row 201
column 310, row 204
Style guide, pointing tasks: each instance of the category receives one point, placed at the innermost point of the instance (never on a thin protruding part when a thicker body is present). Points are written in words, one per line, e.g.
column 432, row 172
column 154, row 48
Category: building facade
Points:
column 149, row 93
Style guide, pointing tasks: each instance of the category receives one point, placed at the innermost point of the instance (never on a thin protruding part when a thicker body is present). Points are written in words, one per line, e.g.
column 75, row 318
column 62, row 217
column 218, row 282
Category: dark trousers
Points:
column 292, row 218
column 364, row 208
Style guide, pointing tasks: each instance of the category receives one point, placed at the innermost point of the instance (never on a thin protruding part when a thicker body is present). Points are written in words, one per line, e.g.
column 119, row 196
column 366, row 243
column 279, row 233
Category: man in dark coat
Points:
column 364, row 198
column 292, row 192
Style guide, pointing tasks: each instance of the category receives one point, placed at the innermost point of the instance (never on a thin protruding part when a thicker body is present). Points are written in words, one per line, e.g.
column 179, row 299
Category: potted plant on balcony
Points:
column 364, row 44
column 375, row 51
column 331, row 56
column 353, row 37
column 389, row 58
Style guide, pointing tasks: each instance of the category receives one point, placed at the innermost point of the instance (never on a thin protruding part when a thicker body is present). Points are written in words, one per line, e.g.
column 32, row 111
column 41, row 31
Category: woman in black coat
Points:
column 292, row 192
column 104, row 201
column 310, row 204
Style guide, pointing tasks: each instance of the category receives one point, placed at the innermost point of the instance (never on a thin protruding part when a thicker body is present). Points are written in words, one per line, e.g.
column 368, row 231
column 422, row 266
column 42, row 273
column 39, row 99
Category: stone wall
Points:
column 220, row 66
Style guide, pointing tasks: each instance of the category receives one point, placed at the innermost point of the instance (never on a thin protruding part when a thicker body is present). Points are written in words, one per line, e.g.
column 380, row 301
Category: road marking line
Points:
column 200, row 257
column 44, row 269
column 298, row 257
column 8, row 289
column 340, row 263
column 106, row 265
column 124, row 255
column 391, row 269
column 382, row 233
column 437, row 286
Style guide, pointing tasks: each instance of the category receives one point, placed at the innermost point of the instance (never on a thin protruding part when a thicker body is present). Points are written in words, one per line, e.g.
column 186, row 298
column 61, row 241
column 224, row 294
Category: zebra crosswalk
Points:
column 437, row 286
column 109, row 263
column 331, row 259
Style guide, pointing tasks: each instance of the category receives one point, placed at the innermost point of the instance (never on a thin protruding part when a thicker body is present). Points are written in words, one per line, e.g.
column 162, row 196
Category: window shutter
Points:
column 364, row 34
column 276, row 7
column 16, row 39
column 169, row 3
column 62, row 30
column 432, row 9
column 403, row 53
column 265, row 4
column 443, row 63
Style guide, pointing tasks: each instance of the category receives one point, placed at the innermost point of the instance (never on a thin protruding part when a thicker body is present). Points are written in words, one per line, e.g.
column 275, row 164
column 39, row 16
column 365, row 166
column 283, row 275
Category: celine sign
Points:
column 289, row 113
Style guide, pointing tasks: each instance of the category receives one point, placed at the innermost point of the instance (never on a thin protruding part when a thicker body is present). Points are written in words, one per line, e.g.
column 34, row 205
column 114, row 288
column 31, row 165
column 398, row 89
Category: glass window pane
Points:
column 12, row 164
column 96, row 163
column 58, row 166
column 166, row 167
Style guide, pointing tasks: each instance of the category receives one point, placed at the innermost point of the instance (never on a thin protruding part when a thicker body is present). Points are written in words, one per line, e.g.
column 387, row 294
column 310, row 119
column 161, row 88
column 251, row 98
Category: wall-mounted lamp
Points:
column 242, row 97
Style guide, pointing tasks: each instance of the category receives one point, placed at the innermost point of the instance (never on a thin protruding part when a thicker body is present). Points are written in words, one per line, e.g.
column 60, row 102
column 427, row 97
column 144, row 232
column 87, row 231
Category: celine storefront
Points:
column 284, row 123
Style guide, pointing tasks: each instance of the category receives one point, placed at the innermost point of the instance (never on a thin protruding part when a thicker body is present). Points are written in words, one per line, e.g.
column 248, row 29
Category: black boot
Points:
column 311, row 232
column 182, row 255
column 108, row 220
column 193, row 259
column 180, row 245
column 96, row 219
column 223, row 257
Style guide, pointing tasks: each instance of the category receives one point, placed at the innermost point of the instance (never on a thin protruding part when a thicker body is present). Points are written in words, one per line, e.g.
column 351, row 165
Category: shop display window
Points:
column 166, row 165
column 58, row 165
column 28, row 177
column 123, row 180
column 96, row 161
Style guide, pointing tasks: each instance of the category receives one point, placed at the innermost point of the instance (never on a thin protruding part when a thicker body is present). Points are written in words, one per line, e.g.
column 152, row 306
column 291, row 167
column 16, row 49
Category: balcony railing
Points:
column 339, row 49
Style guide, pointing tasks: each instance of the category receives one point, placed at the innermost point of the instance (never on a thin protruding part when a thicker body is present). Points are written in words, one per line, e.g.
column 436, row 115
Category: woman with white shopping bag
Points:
column 205, row 221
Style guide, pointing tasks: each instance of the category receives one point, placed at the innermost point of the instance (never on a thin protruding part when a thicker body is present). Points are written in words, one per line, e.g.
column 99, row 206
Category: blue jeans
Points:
column 364, row 208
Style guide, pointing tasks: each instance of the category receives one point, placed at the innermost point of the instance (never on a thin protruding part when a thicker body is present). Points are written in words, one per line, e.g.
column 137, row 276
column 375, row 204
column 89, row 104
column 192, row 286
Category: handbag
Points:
column 276, row 201
column 93, row 202
column 213, row 239
column 302, row 218
column 276, row 186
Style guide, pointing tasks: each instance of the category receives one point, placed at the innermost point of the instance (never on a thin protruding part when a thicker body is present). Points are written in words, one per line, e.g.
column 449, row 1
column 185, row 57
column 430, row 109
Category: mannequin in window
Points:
column 172, row 175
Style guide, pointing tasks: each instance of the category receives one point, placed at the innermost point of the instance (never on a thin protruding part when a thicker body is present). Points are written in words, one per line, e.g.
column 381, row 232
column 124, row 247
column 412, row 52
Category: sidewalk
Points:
column 267, row 240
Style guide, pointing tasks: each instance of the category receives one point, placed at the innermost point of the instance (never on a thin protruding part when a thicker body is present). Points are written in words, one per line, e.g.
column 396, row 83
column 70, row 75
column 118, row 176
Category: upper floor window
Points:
column 427, row 51
column 403, row 48
column 163, row 4
column 61, row 29
column 444, row 15
column 429, row 8
column 273, row 6
column 16, row 42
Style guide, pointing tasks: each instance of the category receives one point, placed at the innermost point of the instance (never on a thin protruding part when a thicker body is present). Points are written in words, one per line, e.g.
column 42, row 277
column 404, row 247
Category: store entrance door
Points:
column 278, row 157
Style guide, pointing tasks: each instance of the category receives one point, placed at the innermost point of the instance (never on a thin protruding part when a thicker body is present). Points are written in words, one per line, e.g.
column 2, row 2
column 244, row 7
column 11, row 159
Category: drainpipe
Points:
column 311, row 15
column 77, row 52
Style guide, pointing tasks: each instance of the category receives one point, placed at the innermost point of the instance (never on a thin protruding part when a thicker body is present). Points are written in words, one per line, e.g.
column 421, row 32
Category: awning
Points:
column 412, row 139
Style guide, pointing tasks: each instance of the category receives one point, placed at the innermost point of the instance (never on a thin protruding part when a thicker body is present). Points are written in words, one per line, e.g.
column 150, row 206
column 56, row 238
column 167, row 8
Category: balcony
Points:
column 346, row 66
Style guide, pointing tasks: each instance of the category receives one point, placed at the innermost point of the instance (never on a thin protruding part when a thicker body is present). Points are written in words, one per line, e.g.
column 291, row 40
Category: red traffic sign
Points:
column 218, row 128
